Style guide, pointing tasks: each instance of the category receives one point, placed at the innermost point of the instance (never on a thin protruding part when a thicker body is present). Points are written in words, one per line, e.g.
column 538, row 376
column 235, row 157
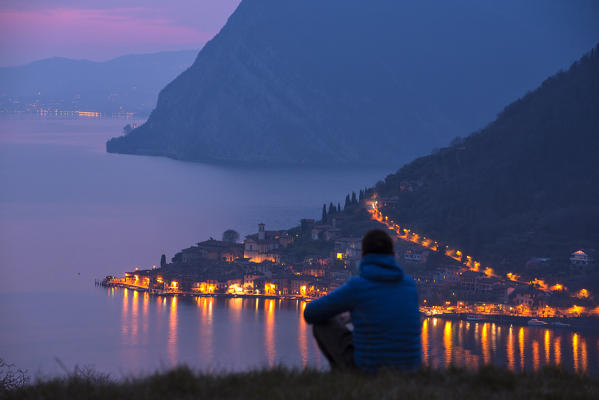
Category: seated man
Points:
column 383, row 303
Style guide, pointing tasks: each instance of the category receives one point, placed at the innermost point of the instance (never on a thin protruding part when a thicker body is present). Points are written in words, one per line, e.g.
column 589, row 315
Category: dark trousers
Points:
column 336, row 343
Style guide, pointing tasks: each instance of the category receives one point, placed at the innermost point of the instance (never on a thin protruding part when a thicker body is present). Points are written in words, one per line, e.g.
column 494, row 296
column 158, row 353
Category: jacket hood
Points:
column 380, row 267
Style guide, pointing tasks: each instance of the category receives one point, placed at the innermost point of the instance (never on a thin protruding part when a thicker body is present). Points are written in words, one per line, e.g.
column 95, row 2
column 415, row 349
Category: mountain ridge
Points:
column 288, row 82
column 127, row 83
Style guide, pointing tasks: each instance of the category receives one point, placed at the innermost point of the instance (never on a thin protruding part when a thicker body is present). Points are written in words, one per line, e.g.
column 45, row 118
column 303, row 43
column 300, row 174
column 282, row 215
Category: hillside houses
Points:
column 527, row 296
column 415, row 255
column 582, row 257
column 260, row 246
column 348, row 248
column 211, row 250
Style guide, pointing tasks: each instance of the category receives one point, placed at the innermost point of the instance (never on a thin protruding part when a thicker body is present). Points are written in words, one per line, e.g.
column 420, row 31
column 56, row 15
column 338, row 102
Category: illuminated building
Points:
column 414, row 255
column 211, row 250
column 581, row 257
column 350, row 248
column 260, row 246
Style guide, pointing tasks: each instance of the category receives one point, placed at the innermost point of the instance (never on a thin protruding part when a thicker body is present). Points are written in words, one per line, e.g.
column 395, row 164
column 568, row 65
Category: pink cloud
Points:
column 91, row 33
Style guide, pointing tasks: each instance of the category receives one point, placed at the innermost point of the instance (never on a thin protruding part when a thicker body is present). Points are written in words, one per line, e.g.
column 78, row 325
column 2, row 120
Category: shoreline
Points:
column 167, row 293
column 569, row 323
column 573, row 323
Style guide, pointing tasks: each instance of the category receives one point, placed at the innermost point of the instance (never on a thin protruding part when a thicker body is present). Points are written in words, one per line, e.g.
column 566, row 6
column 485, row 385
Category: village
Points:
column 265, row 264
column 312, row 259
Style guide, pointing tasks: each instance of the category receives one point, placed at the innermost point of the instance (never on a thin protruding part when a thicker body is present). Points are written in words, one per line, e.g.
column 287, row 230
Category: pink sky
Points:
column 100, row 30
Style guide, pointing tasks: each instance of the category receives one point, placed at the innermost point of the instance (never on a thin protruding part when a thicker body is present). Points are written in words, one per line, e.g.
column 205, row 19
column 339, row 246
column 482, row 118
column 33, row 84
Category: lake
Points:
column 71, row 213
column 127, row 332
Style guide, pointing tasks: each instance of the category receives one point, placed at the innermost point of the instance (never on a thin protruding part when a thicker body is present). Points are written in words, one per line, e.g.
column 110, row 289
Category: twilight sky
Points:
column 103, row 29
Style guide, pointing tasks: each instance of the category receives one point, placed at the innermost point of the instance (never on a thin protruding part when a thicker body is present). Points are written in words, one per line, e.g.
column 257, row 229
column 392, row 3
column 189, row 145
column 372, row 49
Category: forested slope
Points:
column 526, row 185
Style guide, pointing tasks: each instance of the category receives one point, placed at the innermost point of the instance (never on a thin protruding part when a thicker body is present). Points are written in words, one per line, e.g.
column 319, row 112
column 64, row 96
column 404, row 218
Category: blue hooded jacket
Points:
column 383, row 302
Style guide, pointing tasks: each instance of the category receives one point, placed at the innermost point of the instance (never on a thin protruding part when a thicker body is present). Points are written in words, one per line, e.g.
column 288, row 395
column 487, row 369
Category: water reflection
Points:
column 521, row 345
column 435, row 343
column 269, row 331
column 172, row 331
column 239, row 333
column 302, row 336
column 124, row 312
column 493, row 344
column 535, row 355
column 510, row 349
column 584, row 356
column 516, row 347
column 447, row 342
column 547, row 344
column 235, row 322
column 145, row 314
column 134, row 317
column 575, row 351
column 205, row 328
column 424, row 341
column 557, row 348
column 485, row 343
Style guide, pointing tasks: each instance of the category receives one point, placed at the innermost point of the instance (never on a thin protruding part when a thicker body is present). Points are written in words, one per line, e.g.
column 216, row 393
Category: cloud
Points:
column 122, row 24
column 91, row 33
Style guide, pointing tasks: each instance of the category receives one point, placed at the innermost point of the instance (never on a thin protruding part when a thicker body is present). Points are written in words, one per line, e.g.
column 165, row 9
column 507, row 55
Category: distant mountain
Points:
column 357, row 82
column 526, row 185
column 128, row 83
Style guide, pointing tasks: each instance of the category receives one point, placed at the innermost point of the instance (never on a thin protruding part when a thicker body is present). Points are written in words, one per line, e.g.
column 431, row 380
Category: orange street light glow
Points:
column 583, row 294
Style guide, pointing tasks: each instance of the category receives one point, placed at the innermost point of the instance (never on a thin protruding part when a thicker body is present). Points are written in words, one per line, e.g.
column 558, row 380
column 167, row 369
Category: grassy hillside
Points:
column 280, row 383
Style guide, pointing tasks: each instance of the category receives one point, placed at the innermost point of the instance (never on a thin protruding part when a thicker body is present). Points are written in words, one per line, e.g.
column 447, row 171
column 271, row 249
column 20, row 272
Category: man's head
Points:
column 378, row 242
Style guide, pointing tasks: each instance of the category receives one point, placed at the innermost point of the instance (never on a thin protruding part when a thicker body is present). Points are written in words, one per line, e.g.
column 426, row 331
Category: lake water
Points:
column 70, row 213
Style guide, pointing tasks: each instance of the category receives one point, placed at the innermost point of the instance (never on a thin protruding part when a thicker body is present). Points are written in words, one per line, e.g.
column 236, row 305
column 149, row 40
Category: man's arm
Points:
column 325, row 308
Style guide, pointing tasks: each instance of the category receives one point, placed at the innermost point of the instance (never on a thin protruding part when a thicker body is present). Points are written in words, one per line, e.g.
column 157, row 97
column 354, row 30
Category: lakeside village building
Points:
column 254, row 267
column 262, row 265
column 260, row 246
column 583, row 257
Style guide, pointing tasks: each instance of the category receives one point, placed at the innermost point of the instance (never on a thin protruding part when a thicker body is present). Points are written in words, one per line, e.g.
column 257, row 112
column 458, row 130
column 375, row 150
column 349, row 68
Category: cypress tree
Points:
column 347, row 202
column 324, row 213
column 162, row 260
column 339, row 207
column 331, row 209
column 354, row 201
